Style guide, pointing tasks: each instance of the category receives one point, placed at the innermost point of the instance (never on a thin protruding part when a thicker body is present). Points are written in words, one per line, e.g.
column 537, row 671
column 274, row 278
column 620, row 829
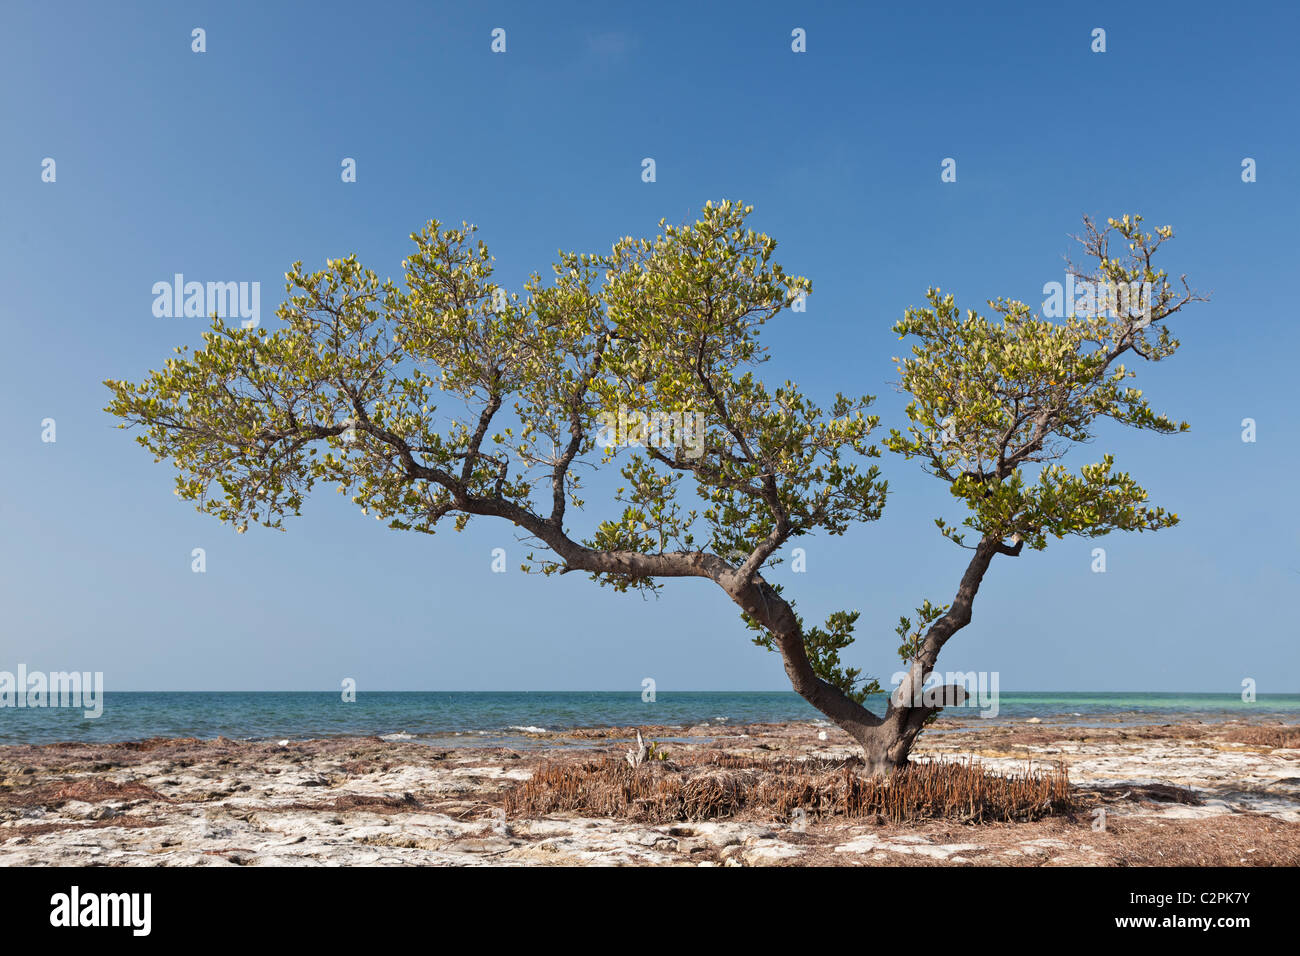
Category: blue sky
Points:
column 225, row 166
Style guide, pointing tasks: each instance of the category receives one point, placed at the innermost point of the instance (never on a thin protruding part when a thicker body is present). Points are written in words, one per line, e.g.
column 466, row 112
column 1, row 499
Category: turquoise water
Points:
column 471, row 718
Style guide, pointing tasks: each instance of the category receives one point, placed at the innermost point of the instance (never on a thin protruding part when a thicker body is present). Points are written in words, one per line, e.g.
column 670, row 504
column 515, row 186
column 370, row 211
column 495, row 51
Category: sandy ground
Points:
column 1192, row 794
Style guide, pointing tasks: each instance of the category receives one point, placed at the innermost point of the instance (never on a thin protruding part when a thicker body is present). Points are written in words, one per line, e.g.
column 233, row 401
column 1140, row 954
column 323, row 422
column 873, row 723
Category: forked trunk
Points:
column 886, row 742
column 885, row 748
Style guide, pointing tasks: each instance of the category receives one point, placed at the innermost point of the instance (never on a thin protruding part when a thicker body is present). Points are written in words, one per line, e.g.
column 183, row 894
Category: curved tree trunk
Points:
column 886, row 741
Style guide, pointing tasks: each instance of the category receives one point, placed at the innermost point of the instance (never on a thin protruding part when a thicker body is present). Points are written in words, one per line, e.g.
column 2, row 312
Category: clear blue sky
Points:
column 225, row 166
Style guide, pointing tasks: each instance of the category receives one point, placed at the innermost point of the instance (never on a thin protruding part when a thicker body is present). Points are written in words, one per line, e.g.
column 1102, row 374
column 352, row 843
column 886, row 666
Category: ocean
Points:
column 506, row 718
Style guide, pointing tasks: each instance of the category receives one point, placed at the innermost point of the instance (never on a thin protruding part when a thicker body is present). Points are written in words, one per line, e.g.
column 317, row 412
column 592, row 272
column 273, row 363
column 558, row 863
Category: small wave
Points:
column 397, row 736
column 530, row 730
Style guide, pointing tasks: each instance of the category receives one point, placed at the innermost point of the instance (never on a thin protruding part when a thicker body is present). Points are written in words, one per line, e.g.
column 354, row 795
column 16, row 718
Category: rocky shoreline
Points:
column 1186, row 793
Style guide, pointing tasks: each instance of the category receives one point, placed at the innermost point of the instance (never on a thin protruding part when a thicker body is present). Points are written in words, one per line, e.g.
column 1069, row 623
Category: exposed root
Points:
column 718, row 785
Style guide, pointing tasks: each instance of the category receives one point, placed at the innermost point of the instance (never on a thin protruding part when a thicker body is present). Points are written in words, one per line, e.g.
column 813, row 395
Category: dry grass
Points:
column 84, row 789
column 406, row 803
column 1277, row 736
column 719, row 785
column 1236, row 840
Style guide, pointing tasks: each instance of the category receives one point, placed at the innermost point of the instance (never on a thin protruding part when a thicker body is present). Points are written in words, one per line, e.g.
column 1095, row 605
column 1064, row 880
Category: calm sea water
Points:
column 470, row 718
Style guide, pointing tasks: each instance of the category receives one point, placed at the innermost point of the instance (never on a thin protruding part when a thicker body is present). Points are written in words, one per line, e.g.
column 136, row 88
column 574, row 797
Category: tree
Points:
column 993, row 400
column 657, row 330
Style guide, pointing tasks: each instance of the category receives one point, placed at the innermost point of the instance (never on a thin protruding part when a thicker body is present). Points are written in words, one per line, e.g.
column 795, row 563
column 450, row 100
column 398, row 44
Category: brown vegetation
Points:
column 720, row 785
column 1277, row 736
column 85, row 789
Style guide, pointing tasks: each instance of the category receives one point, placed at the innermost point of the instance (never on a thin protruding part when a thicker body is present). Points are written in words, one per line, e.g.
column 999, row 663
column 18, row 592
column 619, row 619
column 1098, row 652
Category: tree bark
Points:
column 886, row 742
column 888, row 746
column 761, row 602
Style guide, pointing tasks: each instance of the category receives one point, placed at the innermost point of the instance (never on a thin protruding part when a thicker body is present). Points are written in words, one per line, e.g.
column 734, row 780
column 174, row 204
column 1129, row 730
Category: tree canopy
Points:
column 449, row 398
column 992, row 399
